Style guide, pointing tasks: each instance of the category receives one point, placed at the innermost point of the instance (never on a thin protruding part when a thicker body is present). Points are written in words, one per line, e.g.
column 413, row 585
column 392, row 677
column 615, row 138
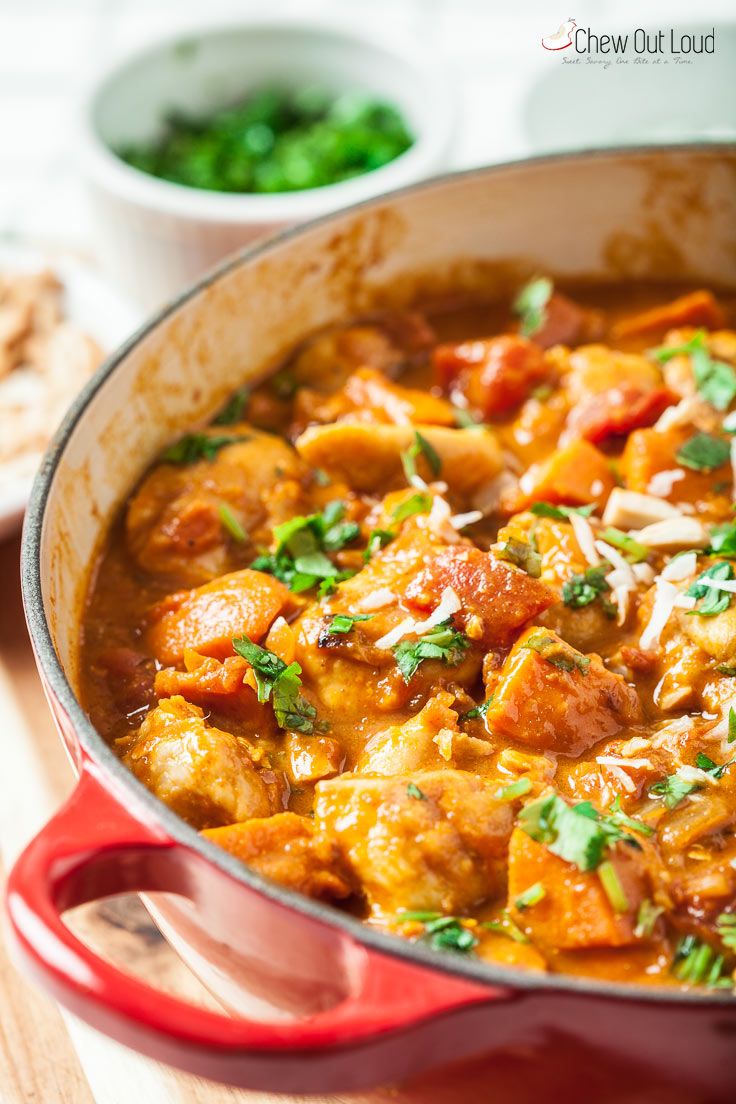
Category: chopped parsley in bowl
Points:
column 275, row 140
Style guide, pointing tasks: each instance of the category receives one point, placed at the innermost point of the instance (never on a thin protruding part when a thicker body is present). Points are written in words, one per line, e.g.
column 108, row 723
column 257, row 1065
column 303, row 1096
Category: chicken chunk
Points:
column 426, row 741
column 284, row 848
column 174, row 523
column 432, row 840
column 204, row 774
column 368, row 457
column 554, row 698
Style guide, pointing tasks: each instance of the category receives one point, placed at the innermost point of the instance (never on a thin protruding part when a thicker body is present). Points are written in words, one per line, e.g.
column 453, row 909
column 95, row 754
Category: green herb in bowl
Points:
column 275, row 141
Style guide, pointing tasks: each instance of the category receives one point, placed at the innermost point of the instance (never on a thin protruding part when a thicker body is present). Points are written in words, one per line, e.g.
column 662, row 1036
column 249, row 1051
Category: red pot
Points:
column 339, row 1007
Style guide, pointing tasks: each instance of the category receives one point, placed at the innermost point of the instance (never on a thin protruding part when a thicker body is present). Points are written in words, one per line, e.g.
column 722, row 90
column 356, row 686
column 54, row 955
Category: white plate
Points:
column 100, row 312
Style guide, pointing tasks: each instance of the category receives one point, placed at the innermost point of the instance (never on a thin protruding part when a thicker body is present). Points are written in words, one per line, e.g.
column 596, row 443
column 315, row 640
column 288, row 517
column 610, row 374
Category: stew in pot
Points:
column 438, row 624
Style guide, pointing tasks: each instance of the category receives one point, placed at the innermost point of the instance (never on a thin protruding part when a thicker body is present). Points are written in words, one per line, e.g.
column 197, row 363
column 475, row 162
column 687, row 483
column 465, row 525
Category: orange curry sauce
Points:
column 439, row 625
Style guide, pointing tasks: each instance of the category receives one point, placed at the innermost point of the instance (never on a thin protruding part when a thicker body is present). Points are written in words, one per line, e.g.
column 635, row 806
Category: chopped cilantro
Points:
column 420, row 503
column 530, row 305
column 514, row 790
column 646, row 919
column 618, row 816
column 343, row 622
column 703, row 452
column 582, row 589
column 464, row 419
column 420, row 447
column 231, row 523
column 232, row 411
column 377, row 540
column 413, row 791
column 281, row 683
column 632, row 550
column 714, row 379
column 576, row 833
column 477, row 710
column 557, row 652
column 698, row 964
column 560, row 513
column 417, row 916
column 673, row 790
column 197, row 446
column 506, row 926
column 299, row 560
column 531, row 896
column 731, row 725
column 521, row 555
column 284, row 384
column 443, row 643
column 612, row 887
column 726, row 669
column 726, row 928
column 714, row 601
column 449, row 934
column 723, row 540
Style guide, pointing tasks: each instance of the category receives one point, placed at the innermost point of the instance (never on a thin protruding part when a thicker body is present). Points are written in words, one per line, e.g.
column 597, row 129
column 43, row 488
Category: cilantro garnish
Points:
column 557, row 652
column 232, row 411
column 703, row 452
column 632, row 550
column 514, row 789
column 506, row 926
column 578, row 834
column 531, row 896
column 279, row 682
column 413, row 791
column 723, row 540
column 299, row 560
column 726, row 928
column 713, row 600
column 530, row 305
column 420, row 503
column 448, row 934
column 582, row 589
column 197, row 446
column 731, row 725
column 443, row 643
column 674, row 788
column 377, row 540
column 420, row 447
column 726, row 669
column 612, row 887
column 560, row 513
column 698, row 964
column 231, row 523
column 714, row 379
column 343, row 622
column 284, row 384
column 477, row 710
column 521, row 555
column 646, row 918
column 618, row 816
column 464, row 419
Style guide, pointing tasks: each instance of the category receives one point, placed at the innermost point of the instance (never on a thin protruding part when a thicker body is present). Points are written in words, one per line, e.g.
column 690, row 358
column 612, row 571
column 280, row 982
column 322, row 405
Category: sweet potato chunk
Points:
column 491, row 376
column 575, row 475
column 283, row 847
column 441, row 848
column 699, row 308
column 368, row 457
column 500, row 597
column 204, row 774
column 553, row 698
column 575, row 911
column 207, row 618
column 650, row 451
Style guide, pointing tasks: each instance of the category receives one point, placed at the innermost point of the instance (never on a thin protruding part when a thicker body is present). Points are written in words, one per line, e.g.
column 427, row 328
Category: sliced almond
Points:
column 674, row 534
column 633, row 510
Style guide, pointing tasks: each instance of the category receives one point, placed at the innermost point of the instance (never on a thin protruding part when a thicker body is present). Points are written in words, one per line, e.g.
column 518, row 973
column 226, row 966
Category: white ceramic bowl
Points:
column 155, row 237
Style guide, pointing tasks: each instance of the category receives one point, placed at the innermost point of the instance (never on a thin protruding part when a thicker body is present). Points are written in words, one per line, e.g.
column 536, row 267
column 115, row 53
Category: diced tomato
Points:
column 207, row 618
column 617, row 411
column 493, row 375
column 700, row 308
column 566, row 323
column 501, row 598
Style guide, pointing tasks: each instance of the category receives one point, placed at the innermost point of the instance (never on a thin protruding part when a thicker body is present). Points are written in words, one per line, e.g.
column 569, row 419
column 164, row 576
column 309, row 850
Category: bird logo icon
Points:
column 562, row 38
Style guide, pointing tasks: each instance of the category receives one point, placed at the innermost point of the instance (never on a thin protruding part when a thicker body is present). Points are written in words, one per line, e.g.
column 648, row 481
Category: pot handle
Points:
column 95, row 847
